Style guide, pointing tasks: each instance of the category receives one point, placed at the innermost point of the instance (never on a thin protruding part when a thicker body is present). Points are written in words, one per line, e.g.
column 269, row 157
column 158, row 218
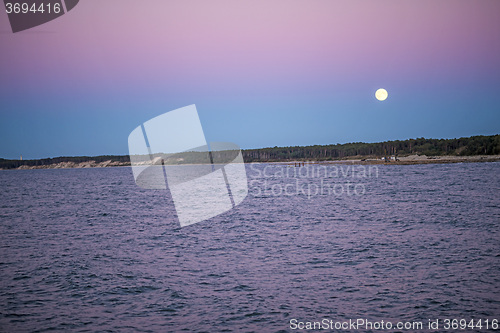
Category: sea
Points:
column 311, row 248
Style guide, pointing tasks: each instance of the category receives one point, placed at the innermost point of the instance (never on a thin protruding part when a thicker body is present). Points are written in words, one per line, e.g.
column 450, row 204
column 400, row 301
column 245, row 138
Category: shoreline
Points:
column 406, row 160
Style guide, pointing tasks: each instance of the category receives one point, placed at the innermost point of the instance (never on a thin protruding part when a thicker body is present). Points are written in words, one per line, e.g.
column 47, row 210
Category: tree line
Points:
column 469, row 146
column 12, row 164
column 475, row 145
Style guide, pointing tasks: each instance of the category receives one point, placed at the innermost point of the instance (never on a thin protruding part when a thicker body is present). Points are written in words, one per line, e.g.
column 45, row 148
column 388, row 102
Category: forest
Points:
column 468, row 146
column 475, row 145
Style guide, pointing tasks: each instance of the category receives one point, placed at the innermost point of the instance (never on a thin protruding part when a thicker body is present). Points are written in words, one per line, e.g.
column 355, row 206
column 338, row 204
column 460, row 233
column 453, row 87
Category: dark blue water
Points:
column 88, row 250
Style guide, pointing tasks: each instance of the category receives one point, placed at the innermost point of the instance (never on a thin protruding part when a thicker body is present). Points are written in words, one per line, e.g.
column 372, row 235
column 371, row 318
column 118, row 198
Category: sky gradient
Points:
column 261, row 73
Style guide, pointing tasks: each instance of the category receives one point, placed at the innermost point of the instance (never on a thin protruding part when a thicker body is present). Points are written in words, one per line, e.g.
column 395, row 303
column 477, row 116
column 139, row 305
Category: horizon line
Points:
column 269, row 147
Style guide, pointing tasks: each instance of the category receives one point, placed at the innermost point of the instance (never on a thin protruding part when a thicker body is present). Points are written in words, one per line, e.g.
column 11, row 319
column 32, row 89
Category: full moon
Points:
column 381, row 94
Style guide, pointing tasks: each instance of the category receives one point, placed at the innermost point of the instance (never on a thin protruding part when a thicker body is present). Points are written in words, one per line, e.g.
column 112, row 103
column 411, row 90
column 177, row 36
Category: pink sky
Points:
column 277, row 58
column 256, row 40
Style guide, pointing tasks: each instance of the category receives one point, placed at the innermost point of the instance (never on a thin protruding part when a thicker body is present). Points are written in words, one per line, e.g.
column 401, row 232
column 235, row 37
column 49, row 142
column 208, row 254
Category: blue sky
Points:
column 294, row 73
